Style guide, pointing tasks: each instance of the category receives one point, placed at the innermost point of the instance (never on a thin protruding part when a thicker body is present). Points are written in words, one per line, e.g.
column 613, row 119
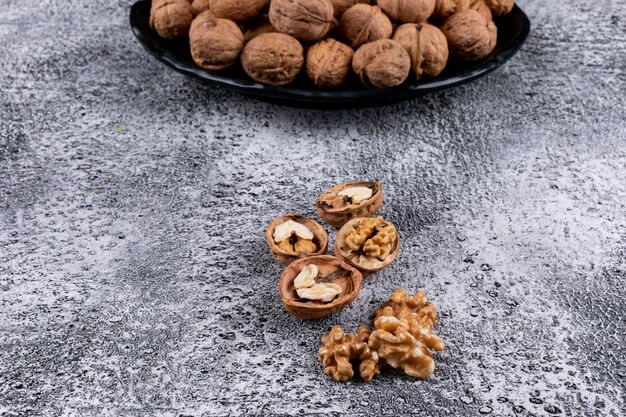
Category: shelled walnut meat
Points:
column 382, row 63
column 408, row 11
column 341, row 351
column 470, row 36
column 171, row 19
column 329, row 63
column 273, row 58
column 369, row 244
column 427, row 47
column 317, row 286
column 349, row 200
column 306, row 20
column 215, row 43
column 292, row 236
column 362, row 23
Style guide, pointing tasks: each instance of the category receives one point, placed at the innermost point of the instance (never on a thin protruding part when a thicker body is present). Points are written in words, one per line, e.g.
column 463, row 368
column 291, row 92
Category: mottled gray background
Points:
column 135, row 280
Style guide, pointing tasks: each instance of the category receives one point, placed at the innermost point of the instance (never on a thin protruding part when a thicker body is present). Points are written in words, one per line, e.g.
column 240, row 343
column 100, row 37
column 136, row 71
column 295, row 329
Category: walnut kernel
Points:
column 273, row 58
column 382, row 63
column 362, row 23
column 215, row 43
column 306, row 20
column 329, row 63
column 470, row 36
column 340, row 350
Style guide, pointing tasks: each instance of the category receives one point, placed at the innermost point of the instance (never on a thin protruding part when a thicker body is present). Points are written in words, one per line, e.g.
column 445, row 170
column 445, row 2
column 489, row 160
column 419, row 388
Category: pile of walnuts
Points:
column 381, row 41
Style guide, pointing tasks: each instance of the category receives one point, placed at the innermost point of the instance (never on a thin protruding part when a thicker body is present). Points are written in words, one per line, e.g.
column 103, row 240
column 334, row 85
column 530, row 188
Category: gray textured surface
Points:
column 134, row 278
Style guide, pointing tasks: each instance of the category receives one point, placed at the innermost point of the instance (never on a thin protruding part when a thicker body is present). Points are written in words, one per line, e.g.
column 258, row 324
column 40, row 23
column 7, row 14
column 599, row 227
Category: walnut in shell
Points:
column 363, row 23
column 171, row 19
column 408, row 11
column 349, row 200
column 340, row 351
column 482, row 8
column 426, row 45
column 237, row 10
column 470, row 36
column 306, row 20
column 380, row 64
column 368, row 244
column 293, row 236
column 500, row 7
column 445, row 8
column 215, row 43
column 329, row 63
column 199, row 6
column 273, row 58
column 263, row 25
column 340, row 6
column 338, row 285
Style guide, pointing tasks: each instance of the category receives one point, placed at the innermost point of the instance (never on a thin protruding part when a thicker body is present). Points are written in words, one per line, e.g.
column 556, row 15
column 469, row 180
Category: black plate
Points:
column 512, row 32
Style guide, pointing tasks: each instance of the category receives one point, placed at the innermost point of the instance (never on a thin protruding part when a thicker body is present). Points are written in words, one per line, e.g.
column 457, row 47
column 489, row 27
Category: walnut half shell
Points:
column 314, row 240
column 332, row 270
column 345, row 201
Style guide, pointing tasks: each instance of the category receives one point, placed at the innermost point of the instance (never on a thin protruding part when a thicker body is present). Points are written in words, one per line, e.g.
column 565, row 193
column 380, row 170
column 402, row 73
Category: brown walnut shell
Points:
column 362, row 24
column 426, row 45
column 360, row 261
column 445, row 8
column 470, row 36
column 260, row 27
column 381, row 64
column 336, row 271
column 481, row 7
column 339, row 214
column 306, row 20
column 239, row 11
column 320, row 238
column 215, row 43
column 408, row 11
column 329, row 63
column 340, row 6
column 500, row 7
column 199, row 6
column 273, row 58
column 171, row 18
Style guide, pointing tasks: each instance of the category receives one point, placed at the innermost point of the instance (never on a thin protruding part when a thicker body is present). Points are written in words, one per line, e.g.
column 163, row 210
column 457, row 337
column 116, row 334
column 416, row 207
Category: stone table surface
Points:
column 134, row 275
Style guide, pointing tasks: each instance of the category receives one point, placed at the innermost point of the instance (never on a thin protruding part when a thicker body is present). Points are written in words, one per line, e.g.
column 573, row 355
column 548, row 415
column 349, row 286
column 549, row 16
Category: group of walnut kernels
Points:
column 382, row 41
column 314, row 285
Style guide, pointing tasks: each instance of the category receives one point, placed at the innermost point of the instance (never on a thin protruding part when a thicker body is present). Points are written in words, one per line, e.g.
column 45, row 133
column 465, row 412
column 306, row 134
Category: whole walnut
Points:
column 199, row 6
column 263, row 25
column 273, row 58
column 383, row 63
column 482, row 8
column 363, row 23
column 427, row 46
column 329, row 63
column 408, row 11
column 171, row 18
column 445, row 8
column 215, row 43
column 340, row 6
column 500, row 7
column 306, row 20
column 470, row 36
column 237, row 10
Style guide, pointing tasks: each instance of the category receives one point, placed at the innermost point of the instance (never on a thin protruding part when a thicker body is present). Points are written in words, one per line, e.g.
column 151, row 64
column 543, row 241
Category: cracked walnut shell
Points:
column 368, row 244
column 329, row 63
column 293, row 236
column 362, row 24
column 426, row 45
column 306, row 20
column 341, row 350
column 470, row 36
column 445, row 8
column 500, row 7
column 273, row 58
column 215, row 43
column 171, row 19
column 381, row 64
column 330, row 270
column 408, row 11
column 349, row 200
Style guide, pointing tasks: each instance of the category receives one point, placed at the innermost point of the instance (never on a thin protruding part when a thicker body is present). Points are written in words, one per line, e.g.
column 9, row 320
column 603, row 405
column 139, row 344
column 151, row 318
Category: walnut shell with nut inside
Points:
column 329, row 63
column 239, row 11
column 445, row 8
column 426, row 45
column 306, row 20
column 171, row 18
column 332, row 285
column 215, row 43
column 381, row 64
column 408, row 11
column 481, row 7
column 344, row 202
column 261, row 26
column 363, row 23
column 293, row 236
column 273, row 58
column 340, row 6
column 368, row 244
column 500, row 7
column 470, row 36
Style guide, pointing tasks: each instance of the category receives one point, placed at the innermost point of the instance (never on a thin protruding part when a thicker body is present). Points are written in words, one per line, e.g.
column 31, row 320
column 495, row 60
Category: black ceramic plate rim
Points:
column 331, row 97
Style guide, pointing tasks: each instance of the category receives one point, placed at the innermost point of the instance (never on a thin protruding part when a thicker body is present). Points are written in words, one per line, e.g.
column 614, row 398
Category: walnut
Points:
column 329, row 63
column 482, row 8
column 369, row 244
column 340, row 350
column 340, row 6
column 293, row 236
column 326, row 284
column 426, row 45
column 470, row 36
column 363, row 23
column 199, row 6
column 215, row 43
column 382, row 63
column 445, row 8
column 171, row 19
column 349, row 200
column 408, row 11
column 273, row 58
column 263, row 25
column 500, row 7
column 306, row 20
